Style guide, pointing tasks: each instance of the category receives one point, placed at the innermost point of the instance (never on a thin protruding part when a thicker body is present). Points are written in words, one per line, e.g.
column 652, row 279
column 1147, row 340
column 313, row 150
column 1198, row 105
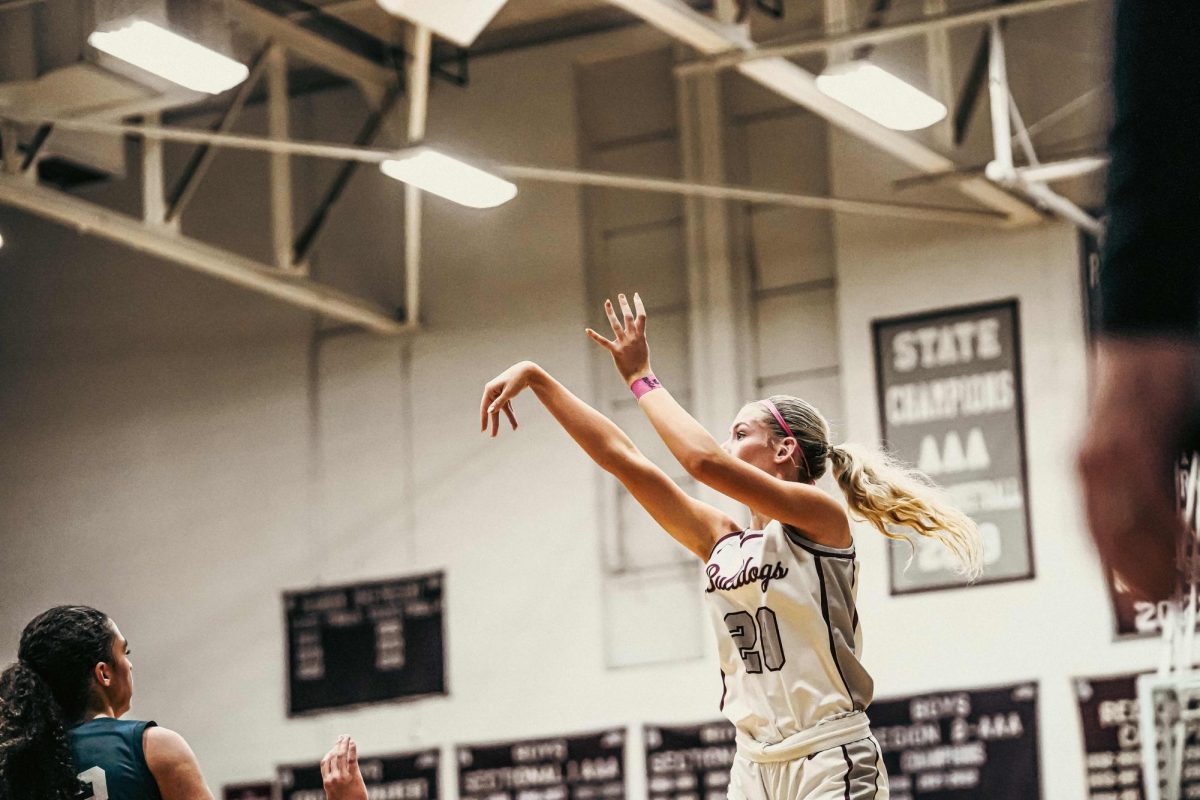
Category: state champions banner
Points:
column 950, row 403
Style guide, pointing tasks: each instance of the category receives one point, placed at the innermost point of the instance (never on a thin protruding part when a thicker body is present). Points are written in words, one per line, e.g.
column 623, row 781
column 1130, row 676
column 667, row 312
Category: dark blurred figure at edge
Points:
column 1145, row 403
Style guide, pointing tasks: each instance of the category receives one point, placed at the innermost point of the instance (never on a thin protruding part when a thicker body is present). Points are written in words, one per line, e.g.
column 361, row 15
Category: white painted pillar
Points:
column 718, row 299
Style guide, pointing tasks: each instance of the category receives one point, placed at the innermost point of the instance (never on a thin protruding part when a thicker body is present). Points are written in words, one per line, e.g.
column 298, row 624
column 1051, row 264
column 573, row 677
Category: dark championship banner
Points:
column 408, row 776
column 950, row 404
column 961, row 745
column 1131, row 616
column 584, row 767
column 689, row 762
column 365, row 643
column 263, row 790
column 1112, row 740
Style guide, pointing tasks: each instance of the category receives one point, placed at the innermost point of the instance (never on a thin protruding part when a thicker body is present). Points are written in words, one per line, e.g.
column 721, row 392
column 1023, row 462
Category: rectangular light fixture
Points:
column 171, row 56
column 880, row 95
column 460, row 21
column 448, row 177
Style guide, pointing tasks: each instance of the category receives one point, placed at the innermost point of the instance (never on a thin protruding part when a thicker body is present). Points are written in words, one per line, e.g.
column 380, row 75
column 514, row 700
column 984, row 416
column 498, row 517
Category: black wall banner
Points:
column 365, row 643
column 689, row 762
column 407, row 776
column 263, row 790
column 1132, row 616
column 1108, row 711
column 950, row 403
column 580, row 767
column 961, row 745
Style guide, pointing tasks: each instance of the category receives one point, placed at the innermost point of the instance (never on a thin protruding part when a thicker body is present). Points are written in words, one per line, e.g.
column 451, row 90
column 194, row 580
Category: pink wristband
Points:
column 642, row 385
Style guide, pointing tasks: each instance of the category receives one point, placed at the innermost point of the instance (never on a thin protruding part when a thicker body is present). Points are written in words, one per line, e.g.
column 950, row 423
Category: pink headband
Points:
column 787, row 428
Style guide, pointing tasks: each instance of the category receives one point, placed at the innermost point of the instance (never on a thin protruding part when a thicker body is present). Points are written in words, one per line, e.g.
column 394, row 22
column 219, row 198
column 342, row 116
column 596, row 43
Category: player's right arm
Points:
column 693, row 524
column 173, row 765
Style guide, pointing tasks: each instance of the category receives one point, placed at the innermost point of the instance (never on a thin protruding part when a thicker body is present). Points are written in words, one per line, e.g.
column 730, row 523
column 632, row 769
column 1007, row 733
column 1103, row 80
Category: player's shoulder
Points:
column 165, row 747
column 837, row 541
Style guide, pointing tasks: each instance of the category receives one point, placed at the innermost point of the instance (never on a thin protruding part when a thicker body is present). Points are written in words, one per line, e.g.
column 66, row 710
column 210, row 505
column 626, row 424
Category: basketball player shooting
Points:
column 780, row 591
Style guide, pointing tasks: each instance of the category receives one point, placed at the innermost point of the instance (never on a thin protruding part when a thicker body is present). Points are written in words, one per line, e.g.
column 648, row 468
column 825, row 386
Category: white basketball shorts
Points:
column 853, row 771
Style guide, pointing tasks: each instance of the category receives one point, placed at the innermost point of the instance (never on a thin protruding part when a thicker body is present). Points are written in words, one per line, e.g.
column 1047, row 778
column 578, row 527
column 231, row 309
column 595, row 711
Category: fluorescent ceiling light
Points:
column 171, row 56
column 460, row 21
column 449, row 178
column 880, row 95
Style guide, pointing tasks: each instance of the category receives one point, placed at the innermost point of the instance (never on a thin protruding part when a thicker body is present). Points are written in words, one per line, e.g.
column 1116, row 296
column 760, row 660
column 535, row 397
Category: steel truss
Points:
column 1017, row 193
column 158, row 230
column 1011, row 195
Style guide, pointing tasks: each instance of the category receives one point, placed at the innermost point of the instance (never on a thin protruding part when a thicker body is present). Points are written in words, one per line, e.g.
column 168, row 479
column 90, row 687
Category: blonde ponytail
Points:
column 884, row 492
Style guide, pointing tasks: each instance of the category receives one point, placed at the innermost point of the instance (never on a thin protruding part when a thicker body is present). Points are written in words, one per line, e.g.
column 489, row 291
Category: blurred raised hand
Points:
column 340, row 773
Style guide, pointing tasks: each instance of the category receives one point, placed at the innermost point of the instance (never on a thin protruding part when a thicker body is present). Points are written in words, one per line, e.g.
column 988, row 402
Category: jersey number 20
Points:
column 97, row 782
column 746, row 635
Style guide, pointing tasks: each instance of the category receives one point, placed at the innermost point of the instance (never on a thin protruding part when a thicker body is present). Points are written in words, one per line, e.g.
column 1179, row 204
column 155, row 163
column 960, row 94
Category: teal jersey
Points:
column 110, row 760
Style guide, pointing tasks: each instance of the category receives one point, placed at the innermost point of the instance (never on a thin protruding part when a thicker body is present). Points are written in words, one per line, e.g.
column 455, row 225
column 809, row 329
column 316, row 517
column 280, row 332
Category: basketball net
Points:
column 1169, row 699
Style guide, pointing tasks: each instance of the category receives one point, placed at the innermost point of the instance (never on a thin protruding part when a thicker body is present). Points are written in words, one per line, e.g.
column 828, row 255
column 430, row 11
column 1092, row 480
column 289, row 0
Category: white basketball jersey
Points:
column 783, row 608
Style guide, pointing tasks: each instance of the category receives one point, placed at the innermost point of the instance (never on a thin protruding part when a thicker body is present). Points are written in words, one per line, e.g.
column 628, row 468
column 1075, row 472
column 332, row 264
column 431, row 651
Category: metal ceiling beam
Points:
column 887, row 33
column 332, row 8
column 798, row 85
column 1067, row 109
column 154, row 204
column 142, row 106
column 202, row 159
column 1021, row 135
column 1063, row 170
column 312, row 229
column 999, row 98
column 280, row 183
column 235, row 141
column 941, row 73
column 10, row 154
column 1064, row 167
column 758, row 196
column 553, row 175
column 1002, row 169
column 421, row 46
column 311, row 46
column 200, row 256
column 34, row 148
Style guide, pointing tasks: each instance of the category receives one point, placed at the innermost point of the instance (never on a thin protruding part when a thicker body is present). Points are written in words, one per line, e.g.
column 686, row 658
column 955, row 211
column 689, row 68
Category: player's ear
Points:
column 102, row 673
